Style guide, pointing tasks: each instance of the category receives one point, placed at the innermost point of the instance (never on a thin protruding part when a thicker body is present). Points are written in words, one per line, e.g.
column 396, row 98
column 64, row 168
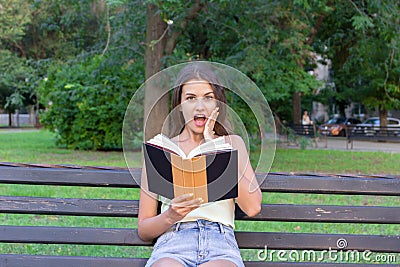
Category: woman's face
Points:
column 197, row 102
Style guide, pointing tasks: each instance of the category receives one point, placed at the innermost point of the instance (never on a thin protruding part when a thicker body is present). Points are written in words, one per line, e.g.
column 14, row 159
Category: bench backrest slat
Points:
column 270, row 212
column 274, row 182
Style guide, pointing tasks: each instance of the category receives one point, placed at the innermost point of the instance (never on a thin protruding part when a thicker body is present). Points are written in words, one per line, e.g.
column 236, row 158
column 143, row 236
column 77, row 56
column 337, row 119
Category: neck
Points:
column 189, row 136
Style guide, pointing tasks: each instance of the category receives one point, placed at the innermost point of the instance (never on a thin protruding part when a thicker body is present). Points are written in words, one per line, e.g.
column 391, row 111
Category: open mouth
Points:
column 200, row 120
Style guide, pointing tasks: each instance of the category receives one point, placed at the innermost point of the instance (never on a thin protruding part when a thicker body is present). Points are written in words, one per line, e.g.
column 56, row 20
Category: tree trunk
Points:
column 159, row 44
column 155, row 105
column 383, row 117
column 9, row 119
column 296, row 108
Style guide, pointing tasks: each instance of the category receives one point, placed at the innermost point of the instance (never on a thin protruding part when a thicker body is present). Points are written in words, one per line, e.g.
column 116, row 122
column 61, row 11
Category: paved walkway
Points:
column 339, row 143
column 17, row 130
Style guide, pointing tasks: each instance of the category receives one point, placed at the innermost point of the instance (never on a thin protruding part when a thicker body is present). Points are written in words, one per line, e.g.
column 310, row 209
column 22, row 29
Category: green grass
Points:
column 38, row 147
column 335, row 161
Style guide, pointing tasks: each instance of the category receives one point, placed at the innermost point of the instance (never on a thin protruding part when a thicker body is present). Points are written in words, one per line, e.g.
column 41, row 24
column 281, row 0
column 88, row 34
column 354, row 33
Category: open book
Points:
column 209, row 171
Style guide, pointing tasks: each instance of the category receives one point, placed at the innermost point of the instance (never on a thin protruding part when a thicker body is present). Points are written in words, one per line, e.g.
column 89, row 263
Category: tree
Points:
column 363, row 46
column 86, row 97
column 161, row 39
column 270, row 42
column 14, row 16
column 14, row 89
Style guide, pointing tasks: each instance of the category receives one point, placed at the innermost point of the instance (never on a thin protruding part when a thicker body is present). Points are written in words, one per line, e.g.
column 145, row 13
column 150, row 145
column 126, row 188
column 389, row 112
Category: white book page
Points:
column 163, row 141
column 217, row 144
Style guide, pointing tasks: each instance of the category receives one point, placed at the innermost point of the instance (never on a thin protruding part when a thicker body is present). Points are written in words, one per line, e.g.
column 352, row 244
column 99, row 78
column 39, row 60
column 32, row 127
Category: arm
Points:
column 250, row 196
column 151, row 225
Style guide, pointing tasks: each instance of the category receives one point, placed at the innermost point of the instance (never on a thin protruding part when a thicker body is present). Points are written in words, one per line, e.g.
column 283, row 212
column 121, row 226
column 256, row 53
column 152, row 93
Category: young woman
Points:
column 191, row 233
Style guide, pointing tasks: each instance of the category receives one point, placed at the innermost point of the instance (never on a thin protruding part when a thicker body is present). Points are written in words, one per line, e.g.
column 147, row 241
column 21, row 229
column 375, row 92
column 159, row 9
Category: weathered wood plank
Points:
column 326, row 213
column 269, row 212
column 69, row 261
column 69, row 206
column 71, row 235
column 303, row 241
column 332, row 185
column 7, row 260
column 68, row 177
column 251, row 240
column 274, row 182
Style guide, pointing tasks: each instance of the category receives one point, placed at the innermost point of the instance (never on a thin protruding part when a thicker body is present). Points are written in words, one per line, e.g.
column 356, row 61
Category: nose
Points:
column 200, row 105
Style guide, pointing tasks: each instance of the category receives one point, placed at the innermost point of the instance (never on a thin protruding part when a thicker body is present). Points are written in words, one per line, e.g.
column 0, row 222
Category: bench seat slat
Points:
column 15, row 260
column 10, row 260
column 378, row 243
column 269, row 212
column 256, row 240
column 274, row 183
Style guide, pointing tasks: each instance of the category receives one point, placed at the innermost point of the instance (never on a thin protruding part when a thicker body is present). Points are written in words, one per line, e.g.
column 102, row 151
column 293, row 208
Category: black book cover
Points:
column 221, row 173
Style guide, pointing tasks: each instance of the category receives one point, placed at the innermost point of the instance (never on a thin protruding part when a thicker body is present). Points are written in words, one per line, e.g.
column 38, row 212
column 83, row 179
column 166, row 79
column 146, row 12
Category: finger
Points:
column 215, row 113
column 194, row 203
column 182, row 198
column 214, row 116
column 212, row 119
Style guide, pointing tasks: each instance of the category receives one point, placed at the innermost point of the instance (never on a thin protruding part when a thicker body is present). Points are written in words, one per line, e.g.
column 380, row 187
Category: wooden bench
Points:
column 303, row 130
column 41, row 176
column 372, row 133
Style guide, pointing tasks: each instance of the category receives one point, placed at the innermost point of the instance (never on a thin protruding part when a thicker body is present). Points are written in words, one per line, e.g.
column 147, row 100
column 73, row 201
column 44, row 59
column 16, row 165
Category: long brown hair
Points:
column 200, row 71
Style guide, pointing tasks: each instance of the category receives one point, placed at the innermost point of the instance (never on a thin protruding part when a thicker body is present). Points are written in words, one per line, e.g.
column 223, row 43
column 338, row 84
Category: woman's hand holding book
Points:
column 180, row 206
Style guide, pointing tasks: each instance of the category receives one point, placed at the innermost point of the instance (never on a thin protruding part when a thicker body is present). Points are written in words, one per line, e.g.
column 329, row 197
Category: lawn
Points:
column 39, row 147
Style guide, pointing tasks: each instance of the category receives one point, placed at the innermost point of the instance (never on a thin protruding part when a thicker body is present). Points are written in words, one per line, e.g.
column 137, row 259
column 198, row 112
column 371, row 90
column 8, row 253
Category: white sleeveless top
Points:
column 222, row 211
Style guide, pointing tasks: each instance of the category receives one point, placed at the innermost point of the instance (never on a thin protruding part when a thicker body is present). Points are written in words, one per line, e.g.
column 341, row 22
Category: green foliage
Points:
column 266, row 40
column 86, row 97
column 304, row 142
column 14, row 75
column 63, row 29
column 86, row 101
column 363, row 45
column 14, row 16
column 270, row 41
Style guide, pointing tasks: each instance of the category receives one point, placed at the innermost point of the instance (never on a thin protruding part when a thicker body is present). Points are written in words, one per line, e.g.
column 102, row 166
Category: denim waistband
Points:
column 201, row 223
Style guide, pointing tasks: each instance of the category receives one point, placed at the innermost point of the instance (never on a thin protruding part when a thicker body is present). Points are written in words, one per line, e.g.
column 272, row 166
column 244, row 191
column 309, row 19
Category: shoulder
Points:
column 236, row 141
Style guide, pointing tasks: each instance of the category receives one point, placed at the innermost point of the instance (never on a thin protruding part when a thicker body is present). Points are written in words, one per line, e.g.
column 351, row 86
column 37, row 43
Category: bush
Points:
column 86, row 101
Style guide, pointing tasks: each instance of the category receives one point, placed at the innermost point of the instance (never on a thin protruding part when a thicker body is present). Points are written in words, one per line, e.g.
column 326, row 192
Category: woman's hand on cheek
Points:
column 209, row 127
column 181, row 206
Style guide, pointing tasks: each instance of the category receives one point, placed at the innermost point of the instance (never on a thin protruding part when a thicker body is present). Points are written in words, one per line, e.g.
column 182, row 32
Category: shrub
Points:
column 86, row 101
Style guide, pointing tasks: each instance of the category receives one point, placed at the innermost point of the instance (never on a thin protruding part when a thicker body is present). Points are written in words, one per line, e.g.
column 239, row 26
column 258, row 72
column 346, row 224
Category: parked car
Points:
column 337, row 126
column 371, row 126
column 375, row 121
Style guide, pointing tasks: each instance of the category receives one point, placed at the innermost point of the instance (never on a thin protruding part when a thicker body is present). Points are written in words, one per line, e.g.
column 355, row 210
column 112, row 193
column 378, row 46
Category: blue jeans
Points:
column 195, row 243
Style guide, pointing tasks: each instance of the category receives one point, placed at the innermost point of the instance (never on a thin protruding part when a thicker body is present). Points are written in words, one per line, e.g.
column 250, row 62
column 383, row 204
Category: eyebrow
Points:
column 208, row 93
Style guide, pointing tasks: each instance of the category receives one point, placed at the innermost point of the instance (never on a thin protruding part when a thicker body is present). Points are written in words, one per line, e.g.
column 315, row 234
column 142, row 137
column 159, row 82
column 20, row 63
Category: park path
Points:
column 340, row 143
